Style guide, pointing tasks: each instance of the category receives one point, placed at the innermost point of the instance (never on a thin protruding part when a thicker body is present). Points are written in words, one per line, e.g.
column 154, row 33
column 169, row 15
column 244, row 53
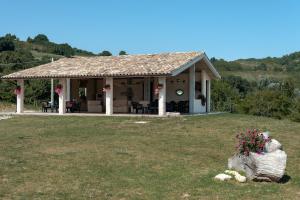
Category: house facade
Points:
column 152, row 84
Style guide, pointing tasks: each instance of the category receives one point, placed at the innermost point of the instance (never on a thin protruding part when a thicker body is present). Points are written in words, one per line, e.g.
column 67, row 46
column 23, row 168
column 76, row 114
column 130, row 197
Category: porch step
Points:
column 173, row 114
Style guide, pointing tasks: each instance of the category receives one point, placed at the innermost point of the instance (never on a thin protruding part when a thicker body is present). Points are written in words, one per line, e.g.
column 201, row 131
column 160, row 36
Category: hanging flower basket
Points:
column 160, row 86
column 17, row 91
column 106, row 88
column 58, row 89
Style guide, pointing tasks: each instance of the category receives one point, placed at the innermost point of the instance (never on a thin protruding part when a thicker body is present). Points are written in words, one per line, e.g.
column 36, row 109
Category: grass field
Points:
column 115, row 158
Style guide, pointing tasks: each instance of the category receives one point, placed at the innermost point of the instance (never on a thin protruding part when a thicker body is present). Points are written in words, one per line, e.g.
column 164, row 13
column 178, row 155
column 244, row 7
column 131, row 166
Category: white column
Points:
column 109, row 96
column 162, row 96
column 62, row 97
column 208, row 95
column 52, row 89
column 68, row 98
column 20, row 97
column 192, row 89
column 52, row 92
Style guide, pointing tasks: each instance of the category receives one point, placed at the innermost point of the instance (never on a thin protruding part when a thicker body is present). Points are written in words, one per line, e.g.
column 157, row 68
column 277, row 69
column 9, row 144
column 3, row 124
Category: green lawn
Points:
column 115, row 158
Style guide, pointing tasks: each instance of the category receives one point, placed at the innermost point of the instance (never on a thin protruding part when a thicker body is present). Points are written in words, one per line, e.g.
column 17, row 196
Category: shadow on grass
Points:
column 286, row 178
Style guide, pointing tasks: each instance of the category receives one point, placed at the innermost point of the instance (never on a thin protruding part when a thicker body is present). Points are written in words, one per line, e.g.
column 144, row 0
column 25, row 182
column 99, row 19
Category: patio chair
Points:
column 45, row 106
column 137, row 107
column 145, row 105
column 69, row 105
column 54, row 107
column 74, row 106
column 153, row 107
column 181, row 106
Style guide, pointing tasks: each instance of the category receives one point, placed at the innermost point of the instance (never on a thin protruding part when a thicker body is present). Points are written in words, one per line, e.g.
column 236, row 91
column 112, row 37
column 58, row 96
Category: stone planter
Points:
column 268, row 166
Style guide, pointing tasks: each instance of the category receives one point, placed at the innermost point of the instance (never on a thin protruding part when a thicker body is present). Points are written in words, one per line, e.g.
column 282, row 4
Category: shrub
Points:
column 295, row 115
column 268, row 103
column 224, row 96
column 251, row 141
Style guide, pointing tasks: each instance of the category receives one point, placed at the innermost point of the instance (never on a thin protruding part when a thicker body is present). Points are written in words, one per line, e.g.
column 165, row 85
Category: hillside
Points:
column 16, row 54
column 279, row 68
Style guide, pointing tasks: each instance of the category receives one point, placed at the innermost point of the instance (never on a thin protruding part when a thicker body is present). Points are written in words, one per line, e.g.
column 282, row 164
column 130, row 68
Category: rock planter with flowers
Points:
column 261, row 158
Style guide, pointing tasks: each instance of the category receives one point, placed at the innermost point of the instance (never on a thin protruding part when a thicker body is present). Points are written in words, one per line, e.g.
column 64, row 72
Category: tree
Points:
column 6, row 44
column 29, row 39
column 11, row 37
column 40, row 38
column 239, row 83
column 105, row 53
column 122, row 53
column 64, row 49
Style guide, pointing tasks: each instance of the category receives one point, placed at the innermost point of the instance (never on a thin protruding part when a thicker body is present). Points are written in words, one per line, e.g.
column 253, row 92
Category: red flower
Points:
column 251, row 141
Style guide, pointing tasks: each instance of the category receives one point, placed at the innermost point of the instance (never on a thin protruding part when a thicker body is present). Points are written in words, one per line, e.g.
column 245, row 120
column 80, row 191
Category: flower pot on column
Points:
column 58, row 89
column 17, row 91
column 106, row 88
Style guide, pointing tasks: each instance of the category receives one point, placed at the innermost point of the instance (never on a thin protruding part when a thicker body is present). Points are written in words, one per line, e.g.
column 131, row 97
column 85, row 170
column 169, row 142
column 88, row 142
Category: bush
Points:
column 242, row 85
column 267, row 103
column 295, row 113
column 224, row 97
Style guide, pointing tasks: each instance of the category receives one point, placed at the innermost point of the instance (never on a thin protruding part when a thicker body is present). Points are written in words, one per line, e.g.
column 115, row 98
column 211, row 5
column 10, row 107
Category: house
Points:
column 152, row 83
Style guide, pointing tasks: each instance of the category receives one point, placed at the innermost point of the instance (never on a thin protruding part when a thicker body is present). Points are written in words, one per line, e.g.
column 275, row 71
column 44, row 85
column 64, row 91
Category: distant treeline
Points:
column 289, row 63
column 17, row 55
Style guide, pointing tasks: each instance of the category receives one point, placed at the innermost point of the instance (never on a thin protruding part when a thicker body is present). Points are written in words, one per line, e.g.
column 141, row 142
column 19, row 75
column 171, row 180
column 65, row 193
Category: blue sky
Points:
column 227, row 29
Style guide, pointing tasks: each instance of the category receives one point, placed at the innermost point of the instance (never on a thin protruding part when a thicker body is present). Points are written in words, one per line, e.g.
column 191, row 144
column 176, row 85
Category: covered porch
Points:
column 185, row 90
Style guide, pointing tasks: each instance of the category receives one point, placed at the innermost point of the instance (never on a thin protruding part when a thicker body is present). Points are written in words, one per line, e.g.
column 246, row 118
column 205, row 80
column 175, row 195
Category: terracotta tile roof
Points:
column 104, row 66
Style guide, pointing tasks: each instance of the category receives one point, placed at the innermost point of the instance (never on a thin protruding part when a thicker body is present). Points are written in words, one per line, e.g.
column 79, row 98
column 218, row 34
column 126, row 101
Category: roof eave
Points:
column 194, row 61
column 86, row 76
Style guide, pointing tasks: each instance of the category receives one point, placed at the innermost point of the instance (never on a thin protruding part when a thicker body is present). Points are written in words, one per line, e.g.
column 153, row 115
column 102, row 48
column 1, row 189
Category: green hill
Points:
column 279, row 68
column 16, row 54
